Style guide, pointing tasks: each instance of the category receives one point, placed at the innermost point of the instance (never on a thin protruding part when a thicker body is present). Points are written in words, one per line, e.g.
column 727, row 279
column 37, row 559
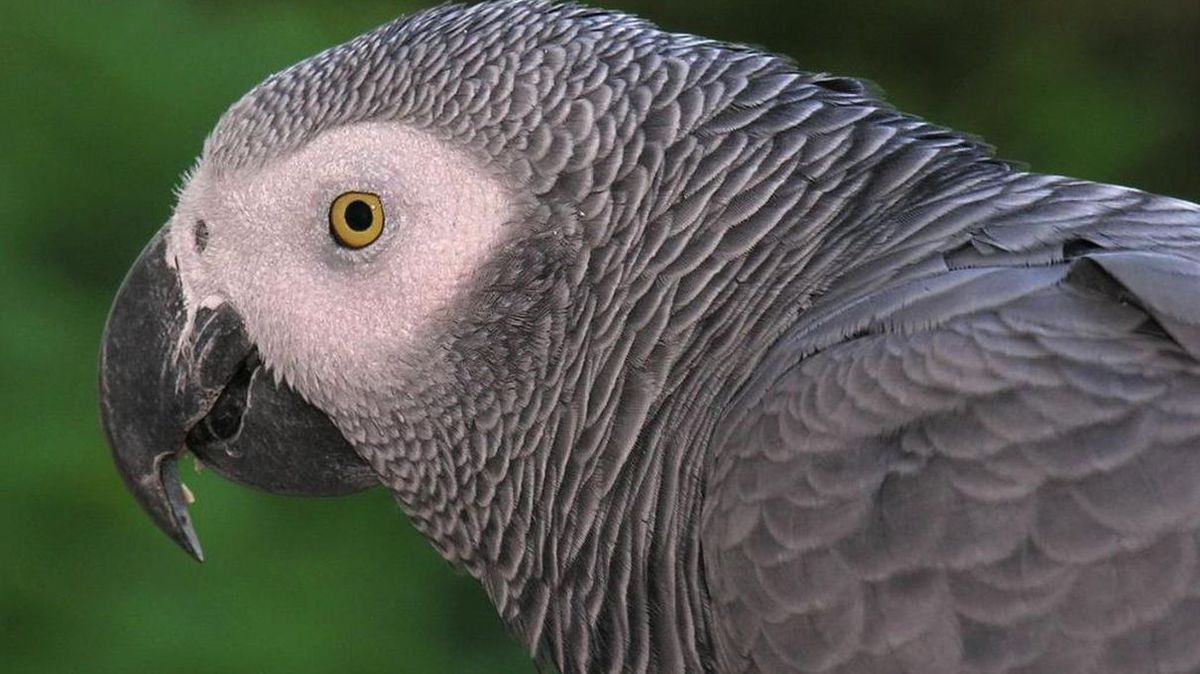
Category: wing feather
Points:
column 987, row 469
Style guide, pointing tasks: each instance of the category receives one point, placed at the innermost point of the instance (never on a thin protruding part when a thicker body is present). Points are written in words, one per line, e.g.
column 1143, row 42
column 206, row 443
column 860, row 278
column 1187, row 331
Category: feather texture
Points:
column 769, row 376
column 993, row 467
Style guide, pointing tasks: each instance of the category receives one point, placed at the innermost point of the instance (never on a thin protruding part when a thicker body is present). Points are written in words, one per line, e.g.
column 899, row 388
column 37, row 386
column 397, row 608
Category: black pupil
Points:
column 359, row 215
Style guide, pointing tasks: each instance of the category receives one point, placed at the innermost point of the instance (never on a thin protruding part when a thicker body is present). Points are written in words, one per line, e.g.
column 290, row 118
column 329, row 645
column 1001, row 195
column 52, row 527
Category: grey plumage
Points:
column 766, row 375
column 996, row 473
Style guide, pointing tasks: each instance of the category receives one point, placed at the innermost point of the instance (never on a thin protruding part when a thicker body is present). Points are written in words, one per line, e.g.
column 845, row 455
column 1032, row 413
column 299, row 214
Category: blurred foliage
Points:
column 103, row 105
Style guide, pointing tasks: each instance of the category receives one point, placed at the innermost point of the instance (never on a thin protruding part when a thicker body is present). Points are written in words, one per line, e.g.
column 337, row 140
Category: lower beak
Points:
column 168, row 384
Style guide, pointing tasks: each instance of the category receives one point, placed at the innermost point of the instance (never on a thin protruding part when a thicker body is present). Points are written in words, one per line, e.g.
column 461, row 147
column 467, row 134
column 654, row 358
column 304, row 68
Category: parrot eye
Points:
column 356, row 219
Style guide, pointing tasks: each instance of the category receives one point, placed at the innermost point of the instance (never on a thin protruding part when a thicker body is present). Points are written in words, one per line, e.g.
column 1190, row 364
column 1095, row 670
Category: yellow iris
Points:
column 356, row 219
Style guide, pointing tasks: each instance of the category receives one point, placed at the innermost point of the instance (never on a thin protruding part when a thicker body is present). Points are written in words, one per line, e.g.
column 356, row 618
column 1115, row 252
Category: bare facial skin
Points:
column 322, row 315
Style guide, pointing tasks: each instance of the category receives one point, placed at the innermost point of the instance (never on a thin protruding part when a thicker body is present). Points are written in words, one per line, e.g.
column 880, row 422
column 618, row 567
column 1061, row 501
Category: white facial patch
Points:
column 327, row 317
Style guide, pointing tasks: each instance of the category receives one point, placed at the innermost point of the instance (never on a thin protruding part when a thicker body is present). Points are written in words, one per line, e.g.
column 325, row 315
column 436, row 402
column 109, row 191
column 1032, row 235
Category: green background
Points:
column 103, row 105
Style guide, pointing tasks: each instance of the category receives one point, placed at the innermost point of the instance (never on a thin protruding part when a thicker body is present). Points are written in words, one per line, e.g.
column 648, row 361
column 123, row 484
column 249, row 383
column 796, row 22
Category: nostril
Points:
column 200, row 235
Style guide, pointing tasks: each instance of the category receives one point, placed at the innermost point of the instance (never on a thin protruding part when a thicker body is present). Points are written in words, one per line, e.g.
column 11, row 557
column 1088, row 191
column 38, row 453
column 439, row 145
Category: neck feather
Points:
column 572, row 481
column 603, row 564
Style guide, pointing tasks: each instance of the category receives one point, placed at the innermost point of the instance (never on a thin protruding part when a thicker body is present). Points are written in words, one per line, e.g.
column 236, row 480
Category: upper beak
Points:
column 168, row 385
column 154, row 385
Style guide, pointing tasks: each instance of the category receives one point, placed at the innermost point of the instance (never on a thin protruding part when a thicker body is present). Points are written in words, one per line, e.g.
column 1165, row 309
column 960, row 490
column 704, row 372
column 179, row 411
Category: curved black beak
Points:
column 168, row 384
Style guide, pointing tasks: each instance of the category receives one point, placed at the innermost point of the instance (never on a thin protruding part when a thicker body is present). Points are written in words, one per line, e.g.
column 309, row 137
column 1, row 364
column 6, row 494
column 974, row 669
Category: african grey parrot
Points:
column 696, row 361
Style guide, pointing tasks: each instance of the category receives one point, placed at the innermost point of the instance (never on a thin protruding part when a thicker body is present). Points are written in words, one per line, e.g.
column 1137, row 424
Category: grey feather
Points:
column 1022, row 429
column 770, row 376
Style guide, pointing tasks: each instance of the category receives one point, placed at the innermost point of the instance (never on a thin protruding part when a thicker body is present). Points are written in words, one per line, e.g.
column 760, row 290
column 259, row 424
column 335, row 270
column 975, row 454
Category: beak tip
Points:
column 191, row 544
column 177, row 522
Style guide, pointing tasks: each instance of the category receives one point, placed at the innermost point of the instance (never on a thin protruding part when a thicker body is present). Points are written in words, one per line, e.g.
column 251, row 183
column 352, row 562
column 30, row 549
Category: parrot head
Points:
column 282, row 297
column 343, row 271
column 467, row 256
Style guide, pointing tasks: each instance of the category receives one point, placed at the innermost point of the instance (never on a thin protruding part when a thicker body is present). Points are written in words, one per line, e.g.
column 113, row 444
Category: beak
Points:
column 168, row 385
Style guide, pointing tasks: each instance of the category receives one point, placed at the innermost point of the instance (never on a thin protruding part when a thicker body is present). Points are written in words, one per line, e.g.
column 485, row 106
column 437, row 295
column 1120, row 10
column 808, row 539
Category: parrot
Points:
column 694, row 360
